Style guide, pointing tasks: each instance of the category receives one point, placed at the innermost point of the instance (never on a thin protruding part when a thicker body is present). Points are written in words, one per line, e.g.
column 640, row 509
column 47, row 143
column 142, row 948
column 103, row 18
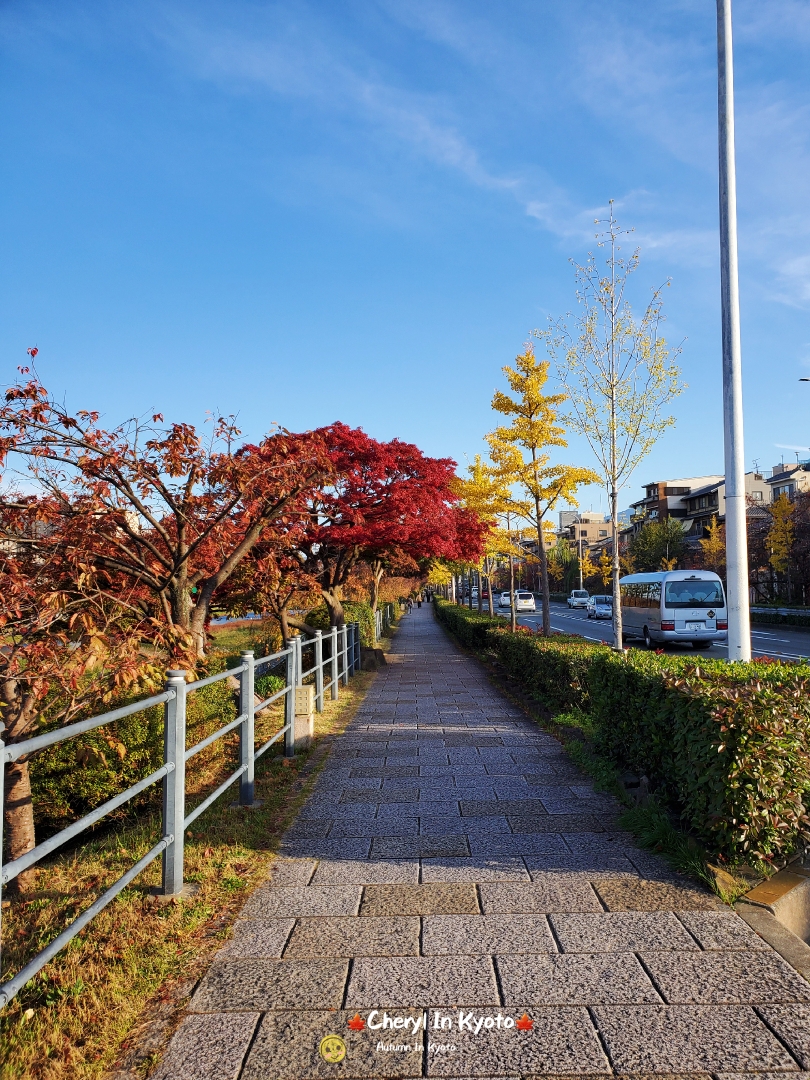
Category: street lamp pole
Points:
column 739, row 625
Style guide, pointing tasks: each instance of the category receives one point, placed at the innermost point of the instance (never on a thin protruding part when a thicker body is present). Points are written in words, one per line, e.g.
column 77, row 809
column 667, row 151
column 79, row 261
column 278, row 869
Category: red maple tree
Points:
column 385, row 502
column 162, row 513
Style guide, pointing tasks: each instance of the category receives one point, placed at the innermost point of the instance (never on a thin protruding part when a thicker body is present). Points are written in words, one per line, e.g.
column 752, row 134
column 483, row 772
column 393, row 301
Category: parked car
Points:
column 600, row 607
column 678, row 605
column 578, row 598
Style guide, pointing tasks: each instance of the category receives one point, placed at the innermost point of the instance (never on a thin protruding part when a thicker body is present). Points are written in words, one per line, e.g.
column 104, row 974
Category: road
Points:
column 782, row 642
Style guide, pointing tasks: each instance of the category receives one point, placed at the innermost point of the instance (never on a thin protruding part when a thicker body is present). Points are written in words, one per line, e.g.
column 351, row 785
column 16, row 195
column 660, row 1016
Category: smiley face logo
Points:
column 332, row 1049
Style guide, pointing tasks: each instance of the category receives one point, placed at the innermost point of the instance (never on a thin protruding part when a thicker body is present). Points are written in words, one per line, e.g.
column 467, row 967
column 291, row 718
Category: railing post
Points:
column 299, row 660
column 174, row 783
column 358, row 662
column 350, row 630
column 247, row 729
column 344, row 652
column 333, row 659
column 319, row 670
column 289, row 701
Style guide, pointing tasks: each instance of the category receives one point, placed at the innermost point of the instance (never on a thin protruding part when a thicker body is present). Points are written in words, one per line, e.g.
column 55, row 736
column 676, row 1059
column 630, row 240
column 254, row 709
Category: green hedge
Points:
column 777, row 619
column 727, row 745
column 468, row 626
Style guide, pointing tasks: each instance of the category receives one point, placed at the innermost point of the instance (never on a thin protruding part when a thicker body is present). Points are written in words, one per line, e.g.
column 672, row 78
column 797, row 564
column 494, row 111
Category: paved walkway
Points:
column 453, row 869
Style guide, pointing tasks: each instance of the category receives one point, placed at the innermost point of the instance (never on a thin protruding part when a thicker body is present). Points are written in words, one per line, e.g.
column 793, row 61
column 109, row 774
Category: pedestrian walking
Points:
column 419, row 600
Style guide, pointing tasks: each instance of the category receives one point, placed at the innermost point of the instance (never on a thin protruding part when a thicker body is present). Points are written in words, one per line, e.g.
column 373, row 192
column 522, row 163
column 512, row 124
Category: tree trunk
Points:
column 18, row 809
column 541, row 550
column 513, row 613
column 19, row 820
column 488, row 572
column 332, row 599
column 377, row 574
column 618, row 642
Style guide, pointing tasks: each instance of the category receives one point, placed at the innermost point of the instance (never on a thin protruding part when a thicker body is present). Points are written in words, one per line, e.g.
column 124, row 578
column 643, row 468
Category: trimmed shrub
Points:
column 468, row 626
column 727, row 745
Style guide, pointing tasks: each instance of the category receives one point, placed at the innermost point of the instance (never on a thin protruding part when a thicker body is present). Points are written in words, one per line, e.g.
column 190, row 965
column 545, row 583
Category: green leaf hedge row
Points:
column 728, row 745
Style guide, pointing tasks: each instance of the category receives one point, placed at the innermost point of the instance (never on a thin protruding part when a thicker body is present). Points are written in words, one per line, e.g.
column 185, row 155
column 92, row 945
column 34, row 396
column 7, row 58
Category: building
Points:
column 665, row 498
column 703, row 504
column 587, row 528
column 789, row 480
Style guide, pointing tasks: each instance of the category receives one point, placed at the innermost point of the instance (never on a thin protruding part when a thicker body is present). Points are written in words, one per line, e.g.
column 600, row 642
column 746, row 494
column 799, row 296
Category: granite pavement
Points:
column 455, row 900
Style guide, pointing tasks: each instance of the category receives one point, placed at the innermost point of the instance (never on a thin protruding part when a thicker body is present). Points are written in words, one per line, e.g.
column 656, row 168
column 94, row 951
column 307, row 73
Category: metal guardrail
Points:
column 383, row 620
column 327, row 672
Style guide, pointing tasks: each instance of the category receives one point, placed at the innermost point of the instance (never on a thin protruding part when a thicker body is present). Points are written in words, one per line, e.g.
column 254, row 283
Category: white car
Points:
column 600, row 607
column 578, row 598
column 524, row 601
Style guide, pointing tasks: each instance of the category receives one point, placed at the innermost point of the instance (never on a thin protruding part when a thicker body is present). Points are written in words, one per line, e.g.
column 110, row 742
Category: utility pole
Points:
column 739, row 623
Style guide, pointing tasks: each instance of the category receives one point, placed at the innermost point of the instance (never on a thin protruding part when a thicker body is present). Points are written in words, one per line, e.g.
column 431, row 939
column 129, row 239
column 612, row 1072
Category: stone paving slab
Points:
column 209, row 1047
column 381, row 872
column 725, row 977
column 429, row 981
column 459, row 935
column 792, row 1024
column 419, row 900
column 720, row 930
column 286, row 1048
column 258, row 984
column 562, row 1042
column 253, row 937
column 271, row 902
column 656, row 896
column 452, row 862
column 503, row 868
column 374, row 936
column 575, row 980
column 554, row 893
column 689, row 1038
column 621, row 931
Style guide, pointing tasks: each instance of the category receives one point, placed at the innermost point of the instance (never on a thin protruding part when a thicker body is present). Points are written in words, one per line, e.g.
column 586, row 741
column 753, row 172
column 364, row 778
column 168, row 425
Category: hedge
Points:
column 726, row 745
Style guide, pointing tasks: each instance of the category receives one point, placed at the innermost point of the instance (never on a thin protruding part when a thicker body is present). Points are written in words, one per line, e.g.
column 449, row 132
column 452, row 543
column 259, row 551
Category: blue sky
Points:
column 302, row 212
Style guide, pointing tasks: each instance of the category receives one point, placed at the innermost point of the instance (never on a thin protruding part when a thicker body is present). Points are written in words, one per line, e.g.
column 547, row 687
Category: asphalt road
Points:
column 783, row 642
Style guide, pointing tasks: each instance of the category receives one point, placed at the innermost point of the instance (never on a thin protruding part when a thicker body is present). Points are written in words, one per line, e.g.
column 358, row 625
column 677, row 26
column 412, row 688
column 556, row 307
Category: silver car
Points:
column 600, row 607
column 578, row 598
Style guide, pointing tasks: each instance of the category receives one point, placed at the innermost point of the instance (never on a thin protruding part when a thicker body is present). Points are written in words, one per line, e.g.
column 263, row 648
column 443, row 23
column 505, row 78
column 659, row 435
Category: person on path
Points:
column 410, row 605
column 419, row 600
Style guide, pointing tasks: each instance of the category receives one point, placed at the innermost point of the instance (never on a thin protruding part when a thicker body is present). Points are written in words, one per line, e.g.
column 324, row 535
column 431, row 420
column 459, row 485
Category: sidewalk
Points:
column 453, row 869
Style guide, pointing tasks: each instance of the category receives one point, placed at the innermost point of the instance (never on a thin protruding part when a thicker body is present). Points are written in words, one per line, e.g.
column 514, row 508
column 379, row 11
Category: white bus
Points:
column 677, row 605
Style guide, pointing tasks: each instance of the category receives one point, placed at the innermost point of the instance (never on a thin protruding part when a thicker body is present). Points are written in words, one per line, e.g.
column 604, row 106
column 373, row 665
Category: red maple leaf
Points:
column 525, row 1023
column 357, row 1023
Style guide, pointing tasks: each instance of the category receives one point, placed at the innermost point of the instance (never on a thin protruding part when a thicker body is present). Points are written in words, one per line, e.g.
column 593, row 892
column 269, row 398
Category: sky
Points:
column 301, row 212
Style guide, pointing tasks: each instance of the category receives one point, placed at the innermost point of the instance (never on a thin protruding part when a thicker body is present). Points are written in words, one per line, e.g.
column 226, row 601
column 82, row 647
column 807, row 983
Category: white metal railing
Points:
column 383, row 620
column 329, row 668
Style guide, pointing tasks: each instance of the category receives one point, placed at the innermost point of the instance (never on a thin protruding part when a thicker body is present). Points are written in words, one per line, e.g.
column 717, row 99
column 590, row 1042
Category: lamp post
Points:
column 739, row 626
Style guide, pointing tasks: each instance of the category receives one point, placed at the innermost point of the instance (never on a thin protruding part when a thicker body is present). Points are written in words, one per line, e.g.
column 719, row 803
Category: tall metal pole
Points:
column 739, row 625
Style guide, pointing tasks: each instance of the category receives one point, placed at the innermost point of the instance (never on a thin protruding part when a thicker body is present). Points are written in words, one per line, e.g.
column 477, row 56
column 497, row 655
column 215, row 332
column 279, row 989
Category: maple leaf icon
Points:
column 357, row 1023
column 525, row 1023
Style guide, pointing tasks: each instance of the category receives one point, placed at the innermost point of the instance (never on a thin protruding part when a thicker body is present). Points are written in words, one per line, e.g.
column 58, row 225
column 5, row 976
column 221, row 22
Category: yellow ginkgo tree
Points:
column 520, row 452
column 487, row 494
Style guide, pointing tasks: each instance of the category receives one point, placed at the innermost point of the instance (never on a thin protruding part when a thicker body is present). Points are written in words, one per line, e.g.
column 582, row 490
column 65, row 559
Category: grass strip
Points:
column 110, row 998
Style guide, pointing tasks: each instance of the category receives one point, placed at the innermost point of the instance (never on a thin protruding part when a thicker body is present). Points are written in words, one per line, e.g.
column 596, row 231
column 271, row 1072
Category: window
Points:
column 697, row 592
column 603, row 532
column 583, row 533
column 756, row 496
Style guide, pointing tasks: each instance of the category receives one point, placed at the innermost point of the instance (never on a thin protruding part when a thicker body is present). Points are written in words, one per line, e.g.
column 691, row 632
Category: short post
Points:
column 358, row 656
column 319, row 670
column 174, row 783
column 344, row 653
column 247, row 729
column 352, row 631
column 333, row 660
column 289, row 702
column 299, row 660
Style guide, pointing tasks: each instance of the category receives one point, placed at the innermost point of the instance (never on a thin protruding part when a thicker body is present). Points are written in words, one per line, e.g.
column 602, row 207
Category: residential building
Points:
column 789, row 480
column 587, row 528
column 665, row 498
column 703, row 504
